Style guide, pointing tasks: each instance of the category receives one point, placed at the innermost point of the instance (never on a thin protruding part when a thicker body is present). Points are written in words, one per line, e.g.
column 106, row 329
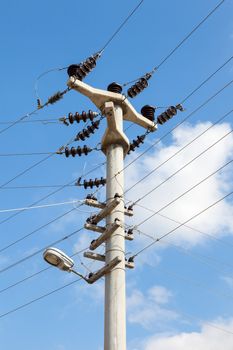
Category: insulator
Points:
column 81, row 70
column 130, row 231
column 39, row 104
column 168, row 114
column 114, row 87
column 91, row 183
column 82, row 135
column 91, row 196
column 139, row 86
column 84, row 116
column 56, row 97
column 136, row 143
column 77, row 151
column 148, row 112
column 131, row 259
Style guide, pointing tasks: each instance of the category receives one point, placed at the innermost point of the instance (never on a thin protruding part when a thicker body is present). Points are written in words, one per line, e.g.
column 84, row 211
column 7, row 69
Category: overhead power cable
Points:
column 179, row 124
column 184, row 193
column 42, row 206
column 182, row 224
column 51, row 100
column 99, row 53
column 48, row 195
column 40, row 298
column 40, row 251
column 183, row 167
column 163, row 60
column 180, row 150
column 218, row 240
column 23, row 280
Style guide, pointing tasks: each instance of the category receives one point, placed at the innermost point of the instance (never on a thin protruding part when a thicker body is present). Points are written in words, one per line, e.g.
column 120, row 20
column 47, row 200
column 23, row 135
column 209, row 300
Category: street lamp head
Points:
column 57, row 258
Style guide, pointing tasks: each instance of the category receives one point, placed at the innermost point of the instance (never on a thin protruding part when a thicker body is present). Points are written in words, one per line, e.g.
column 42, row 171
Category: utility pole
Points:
column 115, row 146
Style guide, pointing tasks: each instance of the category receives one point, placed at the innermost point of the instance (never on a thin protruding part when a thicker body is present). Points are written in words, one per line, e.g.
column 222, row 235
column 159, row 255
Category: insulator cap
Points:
column 82, row 135
column 148, row 112
column 114, row 87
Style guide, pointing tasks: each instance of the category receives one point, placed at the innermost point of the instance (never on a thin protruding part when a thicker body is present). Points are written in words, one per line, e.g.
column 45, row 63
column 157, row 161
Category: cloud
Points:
column 216, row 221
column 208, row 338
column 148, row 309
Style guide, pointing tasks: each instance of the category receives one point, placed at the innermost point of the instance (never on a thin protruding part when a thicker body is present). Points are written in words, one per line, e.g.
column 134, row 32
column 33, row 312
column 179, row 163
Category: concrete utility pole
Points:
column 115, row 146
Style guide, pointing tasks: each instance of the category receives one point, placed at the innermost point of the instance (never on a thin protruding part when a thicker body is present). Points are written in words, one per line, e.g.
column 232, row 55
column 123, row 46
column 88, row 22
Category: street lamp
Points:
column 59, row 259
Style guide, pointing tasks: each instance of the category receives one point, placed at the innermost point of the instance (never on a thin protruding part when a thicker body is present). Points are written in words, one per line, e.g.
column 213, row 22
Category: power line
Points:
column 39, row 298
column 228, row 244
column 180, row 150
column 183, row 167
column 40, row 251
column 182, row 224
column 179, row 124
column 41, row 206
column 25, row 154
column 121, row 26
column 56, row 97
column 49, row 194
column 180, row 43
column 27, row 169
column 35, row 274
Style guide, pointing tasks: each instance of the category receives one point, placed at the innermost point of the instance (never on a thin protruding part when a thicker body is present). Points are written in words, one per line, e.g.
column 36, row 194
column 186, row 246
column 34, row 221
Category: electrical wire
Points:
column 187, row 164
column 163, row 60
column 218, row 240
column 27, row 169
column 121, row 26
column 182, row 224
column 180, row 150
column 39, row 251
column 178, row 125
column 40, row 298
column 48, row 195
column 25, row 154
column 41, row 206
column 59, row 95
column 35, row 187
column 35, row 274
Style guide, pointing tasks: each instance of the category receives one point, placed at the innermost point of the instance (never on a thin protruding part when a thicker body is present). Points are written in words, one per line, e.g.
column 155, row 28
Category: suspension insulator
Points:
column 114, row 87
column 136, row 143
column 77, row 151
column 84, row 116
column 81, row 70
column 139, row 86
column 169, row 113
column 82, row 135
column 91, row 183
column 148, row 112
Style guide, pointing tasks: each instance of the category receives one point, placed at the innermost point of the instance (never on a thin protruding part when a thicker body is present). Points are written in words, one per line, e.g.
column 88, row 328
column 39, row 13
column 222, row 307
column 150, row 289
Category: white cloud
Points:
column 216, row 221
column 148, row 309
column 209, row 338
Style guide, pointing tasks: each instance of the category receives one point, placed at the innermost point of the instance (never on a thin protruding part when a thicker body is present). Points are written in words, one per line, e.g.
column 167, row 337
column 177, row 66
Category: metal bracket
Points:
column 102, row 229
column 100, row 205
column 104, row 212
column 105, row 235
column 113, row 134
column 100, row 97
column 101, row 257
column 106, row 269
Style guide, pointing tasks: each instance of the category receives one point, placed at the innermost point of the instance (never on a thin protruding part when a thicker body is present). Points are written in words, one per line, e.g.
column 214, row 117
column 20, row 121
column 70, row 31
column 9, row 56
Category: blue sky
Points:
column 180, row 291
